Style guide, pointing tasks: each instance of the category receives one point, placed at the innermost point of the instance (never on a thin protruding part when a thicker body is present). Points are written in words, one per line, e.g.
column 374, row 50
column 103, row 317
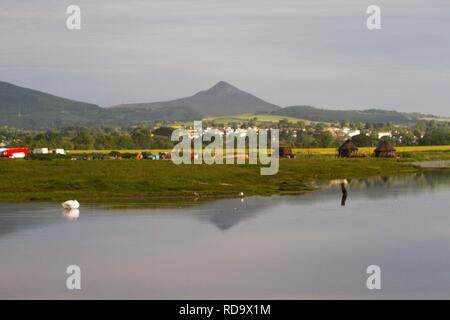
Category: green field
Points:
column 116, row 181
column 259, row 119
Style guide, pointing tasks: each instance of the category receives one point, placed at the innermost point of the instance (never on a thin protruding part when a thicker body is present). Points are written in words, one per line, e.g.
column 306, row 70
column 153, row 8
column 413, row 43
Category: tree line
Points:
column 299, row 135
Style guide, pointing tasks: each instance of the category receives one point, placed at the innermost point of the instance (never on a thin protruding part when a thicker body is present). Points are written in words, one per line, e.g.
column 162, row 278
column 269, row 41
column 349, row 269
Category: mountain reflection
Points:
column 225, row 214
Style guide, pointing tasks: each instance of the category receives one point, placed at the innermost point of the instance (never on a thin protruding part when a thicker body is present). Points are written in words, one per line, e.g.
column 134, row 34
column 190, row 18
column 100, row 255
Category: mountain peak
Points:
column 223, row 84
column 222, row 87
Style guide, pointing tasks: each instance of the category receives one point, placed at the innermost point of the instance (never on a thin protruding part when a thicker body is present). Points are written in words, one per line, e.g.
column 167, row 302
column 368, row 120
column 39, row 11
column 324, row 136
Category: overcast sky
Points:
column 288, row 52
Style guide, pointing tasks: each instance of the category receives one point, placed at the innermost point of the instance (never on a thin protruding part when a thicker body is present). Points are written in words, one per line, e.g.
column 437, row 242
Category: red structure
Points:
column 15, row 153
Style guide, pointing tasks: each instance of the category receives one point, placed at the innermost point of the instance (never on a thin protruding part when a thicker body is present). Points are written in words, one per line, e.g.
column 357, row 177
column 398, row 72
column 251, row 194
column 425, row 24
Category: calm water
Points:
column 282, row 247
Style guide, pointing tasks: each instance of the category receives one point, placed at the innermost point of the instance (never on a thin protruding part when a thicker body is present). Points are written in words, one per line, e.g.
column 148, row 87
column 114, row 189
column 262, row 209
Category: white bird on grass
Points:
column 71, row 204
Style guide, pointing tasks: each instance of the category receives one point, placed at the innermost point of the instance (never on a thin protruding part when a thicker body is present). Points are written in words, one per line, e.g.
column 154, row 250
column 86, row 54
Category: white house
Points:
column 383, row 134
column 350, row 132
column 353, row 133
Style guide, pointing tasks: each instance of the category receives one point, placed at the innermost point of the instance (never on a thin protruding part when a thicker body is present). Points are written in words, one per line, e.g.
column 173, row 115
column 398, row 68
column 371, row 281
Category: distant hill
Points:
column 364, row 116
column 220, row 100
column 30, row 109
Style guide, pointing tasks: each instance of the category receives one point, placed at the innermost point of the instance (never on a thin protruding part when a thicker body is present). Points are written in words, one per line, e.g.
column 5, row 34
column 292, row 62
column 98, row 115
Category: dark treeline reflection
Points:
column 23, row 216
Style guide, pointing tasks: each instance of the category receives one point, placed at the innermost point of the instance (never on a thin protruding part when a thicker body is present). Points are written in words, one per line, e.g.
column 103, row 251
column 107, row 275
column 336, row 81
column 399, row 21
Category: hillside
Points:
column 31, row 109
column 220, row 100
column 124, row 115
column 256, row 118
column 364, row 116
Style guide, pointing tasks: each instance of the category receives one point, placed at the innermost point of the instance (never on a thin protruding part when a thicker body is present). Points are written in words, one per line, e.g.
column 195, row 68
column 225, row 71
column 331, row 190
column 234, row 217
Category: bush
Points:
column 436, row 137
column 129, row 155
column 47, row 157
column 115, row 154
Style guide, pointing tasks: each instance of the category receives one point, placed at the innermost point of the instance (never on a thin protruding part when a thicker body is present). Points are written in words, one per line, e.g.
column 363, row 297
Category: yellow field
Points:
column 372, row 149
column 325, row 151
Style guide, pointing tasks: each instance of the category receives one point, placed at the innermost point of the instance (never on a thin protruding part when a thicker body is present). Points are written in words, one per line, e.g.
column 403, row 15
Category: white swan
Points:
column 71, row 214
column 71, row 204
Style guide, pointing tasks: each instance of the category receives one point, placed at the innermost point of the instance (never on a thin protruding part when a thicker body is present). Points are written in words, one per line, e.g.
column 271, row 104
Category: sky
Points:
column 288, row 52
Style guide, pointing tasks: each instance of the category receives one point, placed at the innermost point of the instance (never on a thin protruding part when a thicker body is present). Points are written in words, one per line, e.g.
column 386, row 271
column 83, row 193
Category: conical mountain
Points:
column 221, row 99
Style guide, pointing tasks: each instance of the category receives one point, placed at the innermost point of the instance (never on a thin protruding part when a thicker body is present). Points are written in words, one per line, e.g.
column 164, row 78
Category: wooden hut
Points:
column 348, row 150
column 385, row 150
column 286, row 152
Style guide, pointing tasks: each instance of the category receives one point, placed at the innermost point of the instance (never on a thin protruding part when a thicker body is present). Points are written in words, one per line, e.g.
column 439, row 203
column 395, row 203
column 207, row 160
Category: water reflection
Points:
column 25, row 216
column 381, row 187
column 226, row 214
column 344, row 194
column 306, row 246
column 434, row 164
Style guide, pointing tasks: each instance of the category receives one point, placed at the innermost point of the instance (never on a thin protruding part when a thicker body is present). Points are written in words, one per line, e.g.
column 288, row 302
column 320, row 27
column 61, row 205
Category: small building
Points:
column 384, row 134
column 40, row 150
column 385, row 150
column 351, row 132
column 348, row 150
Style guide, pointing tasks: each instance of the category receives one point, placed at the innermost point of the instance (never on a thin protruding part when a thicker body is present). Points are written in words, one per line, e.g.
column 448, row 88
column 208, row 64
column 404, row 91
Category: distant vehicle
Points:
column 40, row 150
column 15, row 153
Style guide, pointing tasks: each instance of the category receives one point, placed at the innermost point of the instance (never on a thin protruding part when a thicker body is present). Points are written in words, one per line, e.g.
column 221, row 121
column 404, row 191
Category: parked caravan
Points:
column 59, row 151
column 15, row 153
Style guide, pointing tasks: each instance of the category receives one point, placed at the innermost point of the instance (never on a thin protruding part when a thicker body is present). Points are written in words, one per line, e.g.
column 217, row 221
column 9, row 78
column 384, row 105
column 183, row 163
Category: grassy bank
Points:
column 141, row 181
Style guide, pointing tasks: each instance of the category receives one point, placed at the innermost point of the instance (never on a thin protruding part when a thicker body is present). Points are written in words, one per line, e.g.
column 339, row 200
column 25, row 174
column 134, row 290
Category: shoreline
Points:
column 137, row 182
